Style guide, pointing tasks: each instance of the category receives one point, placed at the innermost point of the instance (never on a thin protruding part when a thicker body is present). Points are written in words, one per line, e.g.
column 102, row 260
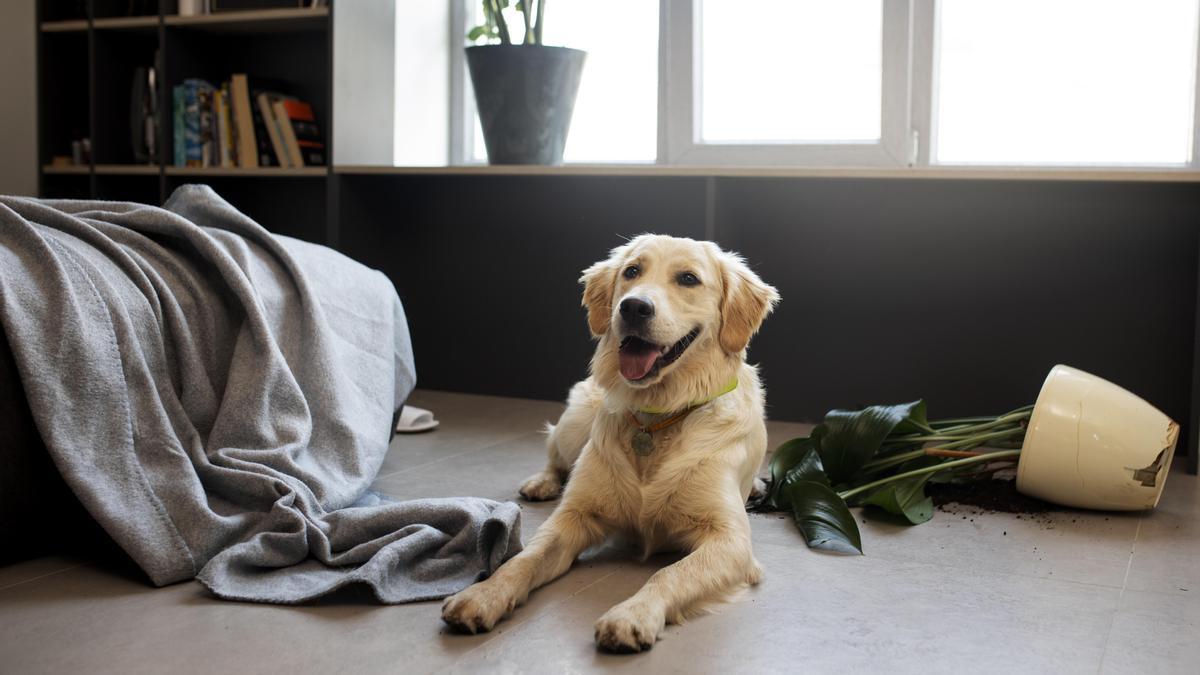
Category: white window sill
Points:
column 1116, row 174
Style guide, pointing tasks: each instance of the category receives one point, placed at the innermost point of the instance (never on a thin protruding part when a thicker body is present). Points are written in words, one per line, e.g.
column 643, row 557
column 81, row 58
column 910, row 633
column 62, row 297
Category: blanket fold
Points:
column 220, row 400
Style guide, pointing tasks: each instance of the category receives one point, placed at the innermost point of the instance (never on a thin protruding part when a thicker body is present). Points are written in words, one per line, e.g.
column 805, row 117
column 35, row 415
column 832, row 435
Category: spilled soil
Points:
column 996, row 495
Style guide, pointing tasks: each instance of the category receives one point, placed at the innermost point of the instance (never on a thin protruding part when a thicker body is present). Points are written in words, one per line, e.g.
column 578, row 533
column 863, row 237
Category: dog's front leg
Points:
column 567, row 533
column 721, row 560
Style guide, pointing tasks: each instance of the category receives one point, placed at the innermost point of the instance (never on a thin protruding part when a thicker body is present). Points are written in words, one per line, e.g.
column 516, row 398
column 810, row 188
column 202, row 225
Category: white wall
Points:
column 422, row 115
column 18, row 97
column 363, row 81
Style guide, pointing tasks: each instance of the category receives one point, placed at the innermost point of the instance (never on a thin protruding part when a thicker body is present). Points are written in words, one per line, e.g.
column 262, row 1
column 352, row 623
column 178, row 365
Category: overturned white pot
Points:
column 1093, row 445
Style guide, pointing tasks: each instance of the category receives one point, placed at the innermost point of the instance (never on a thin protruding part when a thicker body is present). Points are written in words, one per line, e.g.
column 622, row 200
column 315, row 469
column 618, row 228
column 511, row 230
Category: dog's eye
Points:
column 687, row 279
column 632, row 271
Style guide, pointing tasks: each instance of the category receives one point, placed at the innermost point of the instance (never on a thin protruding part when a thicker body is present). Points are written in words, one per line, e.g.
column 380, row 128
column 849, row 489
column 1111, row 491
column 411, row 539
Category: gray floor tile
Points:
column 467, row 423
column 819, row 613
column 1155, row 633
column 1166, row 557
column 22, row 572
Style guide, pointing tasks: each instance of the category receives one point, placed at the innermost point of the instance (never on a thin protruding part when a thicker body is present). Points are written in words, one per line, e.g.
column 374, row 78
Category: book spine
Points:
column 204, row 106
column 266, row 154
column 244, row 120
column 223, row 122
column 179, row 151
column 191, row 118
column 264, row 101
column 310, row 147
column 289, row 134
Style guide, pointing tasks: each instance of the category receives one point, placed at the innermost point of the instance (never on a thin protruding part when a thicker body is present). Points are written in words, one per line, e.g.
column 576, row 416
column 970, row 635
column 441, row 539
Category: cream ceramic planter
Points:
column 1094, row 445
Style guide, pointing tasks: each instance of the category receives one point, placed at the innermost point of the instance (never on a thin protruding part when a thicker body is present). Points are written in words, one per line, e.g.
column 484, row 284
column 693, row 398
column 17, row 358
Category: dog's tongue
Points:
column 638, row 361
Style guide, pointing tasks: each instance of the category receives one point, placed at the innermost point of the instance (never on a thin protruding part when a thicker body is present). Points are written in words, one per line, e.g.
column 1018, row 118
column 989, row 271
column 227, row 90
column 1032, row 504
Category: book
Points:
column 177, row 107
column 204, row 108
column 301, row 136
column 191, row 125
column 225, row 126
column 266, row 101
column 266, row 153
column 243, row 120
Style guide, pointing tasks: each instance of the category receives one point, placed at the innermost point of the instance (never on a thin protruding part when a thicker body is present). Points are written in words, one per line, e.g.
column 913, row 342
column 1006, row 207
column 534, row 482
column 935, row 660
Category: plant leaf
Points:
column 916, row 421
column 477, row 32
column 904, row 498
column 823, row 517
column 785, row 458
column 847, row 439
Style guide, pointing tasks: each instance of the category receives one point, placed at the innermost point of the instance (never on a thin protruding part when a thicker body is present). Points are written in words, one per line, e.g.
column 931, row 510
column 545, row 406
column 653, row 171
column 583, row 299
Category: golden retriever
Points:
column 673, row 318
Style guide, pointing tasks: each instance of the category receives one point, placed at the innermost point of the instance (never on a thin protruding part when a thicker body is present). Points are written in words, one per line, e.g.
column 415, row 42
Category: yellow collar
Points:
column 728, row 388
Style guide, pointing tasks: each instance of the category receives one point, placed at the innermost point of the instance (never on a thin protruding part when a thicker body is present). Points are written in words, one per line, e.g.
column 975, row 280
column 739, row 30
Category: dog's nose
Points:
column 636, row 310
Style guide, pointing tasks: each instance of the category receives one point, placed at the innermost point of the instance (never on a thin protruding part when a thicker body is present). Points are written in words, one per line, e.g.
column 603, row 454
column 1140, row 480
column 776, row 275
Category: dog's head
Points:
column 663, row 306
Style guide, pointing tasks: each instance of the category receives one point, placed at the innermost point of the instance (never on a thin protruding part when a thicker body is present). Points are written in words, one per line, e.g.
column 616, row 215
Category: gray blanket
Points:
column 220, row 400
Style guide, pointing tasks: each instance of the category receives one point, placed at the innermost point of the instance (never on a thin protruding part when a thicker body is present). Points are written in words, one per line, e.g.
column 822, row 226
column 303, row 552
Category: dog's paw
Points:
column 754, row 576
column 478, row 608
column 758, row 491
column 541, row 487
column 628, row 628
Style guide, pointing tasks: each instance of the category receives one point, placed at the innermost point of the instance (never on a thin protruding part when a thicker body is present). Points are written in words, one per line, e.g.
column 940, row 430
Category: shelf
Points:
column 72, row 25
column 262, row 172
column 127, row 169
column 134, row 24
column 938, row 173
column 61, row 170
column 253, row 21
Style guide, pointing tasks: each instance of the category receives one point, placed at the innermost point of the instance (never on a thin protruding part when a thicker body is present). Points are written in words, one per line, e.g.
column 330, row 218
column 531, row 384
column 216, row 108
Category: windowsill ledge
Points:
column 1121, row 174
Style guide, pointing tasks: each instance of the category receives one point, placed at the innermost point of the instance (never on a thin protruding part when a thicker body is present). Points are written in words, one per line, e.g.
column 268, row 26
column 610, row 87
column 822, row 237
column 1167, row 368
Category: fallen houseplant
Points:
column 524, row 91
column 1086, row 443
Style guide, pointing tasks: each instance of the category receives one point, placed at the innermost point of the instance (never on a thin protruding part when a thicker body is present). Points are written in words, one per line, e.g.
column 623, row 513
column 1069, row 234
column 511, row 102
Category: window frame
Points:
column 680, row 26
column 908, row 102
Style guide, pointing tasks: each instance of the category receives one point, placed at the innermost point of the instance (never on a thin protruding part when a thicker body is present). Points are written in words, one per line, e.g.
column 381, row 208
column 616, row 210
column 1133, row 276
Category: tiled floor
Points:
column 1084, row 592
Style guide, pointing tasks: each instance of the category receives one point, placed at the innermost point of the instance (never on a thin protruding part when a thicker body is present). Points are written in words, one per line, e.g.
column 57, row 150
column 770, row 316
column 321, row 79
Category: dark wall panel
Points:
column 966, row 292
column 487, row 267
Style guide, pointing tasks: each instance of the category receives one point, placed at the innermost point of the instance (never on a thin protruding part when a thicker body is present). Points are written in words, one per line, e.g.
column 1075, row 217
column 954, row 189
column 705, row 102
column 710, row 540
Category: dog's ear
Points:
column 598, row 281
column 746, row 303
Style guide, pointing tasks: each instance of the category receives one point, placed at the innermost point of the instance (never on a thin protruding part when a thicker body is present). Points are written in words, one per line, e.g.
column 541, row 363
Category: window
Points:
column 1065, row 82
column 616, row 110
column 821, row 81
column 803, row 82
column 869, row 82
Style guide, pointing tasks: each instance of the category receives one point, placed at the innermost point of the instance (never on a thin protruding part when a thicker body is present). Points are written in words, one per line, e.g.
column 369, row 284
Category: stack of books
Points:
column 236, row 125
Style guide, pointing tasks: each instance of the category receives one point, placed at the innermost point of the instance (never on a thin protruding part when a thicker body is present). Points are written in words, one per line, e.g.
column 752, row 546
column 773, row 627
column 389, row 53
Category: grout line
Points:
column 1112, row 622
column 41, row 576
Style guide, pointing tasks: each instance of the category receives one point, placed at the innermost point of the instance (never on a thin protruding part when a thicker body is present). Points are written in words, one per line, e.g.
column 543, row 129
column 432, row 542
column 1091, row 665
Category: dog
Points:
column 661, row 443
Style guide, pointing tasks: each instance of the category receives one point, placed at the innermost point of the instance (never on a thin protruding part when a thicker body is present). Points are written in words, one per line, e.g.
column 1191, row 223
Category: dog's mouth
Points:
column 641, row 360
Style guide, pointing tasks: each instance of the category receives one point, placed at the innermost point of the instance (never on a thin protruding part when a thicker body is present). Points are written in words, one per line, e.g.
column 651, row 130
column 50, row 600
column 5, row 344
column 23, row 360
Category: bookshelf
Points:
column 88, row 51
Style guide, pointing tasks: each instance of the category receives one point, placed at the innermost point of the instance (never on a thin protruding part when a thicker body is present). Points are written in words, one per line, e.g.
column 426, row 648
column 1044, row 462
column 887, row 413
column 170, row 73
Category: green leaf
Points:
column 477, row 32
column 904, row 498
column 847, row 439
column 823, row 517
column 786, row 456
column 916, row 421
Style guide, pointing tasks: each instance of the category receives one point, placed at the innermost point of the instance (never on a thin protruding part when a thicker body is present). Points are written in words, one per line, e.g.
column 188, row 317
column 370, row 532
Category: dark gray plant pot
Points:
column 525, row 95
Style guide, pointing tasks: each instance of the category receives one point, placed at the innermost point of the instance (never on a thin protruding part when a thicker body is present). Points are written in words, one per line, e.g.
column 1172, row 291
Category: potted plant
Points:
column 1086, row 443
column 524, row 91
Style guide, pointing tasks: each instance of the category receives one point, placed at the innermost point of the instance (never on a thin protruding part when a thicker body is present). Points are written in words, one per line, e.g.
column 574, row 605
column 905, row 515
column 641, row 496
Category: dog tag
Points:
column 643, row 443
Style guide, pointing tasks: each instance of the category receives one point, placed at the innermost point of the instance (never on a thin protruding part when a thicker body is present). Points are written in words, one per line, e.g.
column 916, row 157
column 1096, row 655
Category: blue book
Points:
column 177, row 111
column 194, row 91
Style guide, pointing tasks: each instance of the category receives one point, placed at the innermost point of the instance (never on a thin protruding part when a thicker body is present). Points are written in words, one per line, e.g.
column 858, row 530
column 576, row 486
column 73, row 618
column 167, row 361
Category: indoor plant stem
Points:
column 957, row 444
column 989, row 457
